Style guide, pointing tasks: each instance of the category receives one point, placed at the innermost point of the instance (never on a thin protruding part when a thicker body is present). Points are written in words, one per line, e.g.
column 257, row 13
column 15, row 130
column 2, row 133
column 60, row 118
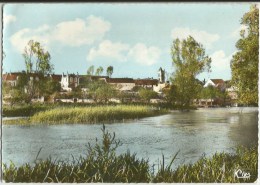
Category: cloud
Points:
column 144, row 55
column 20, row 39
column 220, row 61
column 69, row 33
column 8, row 19
column 109, row 49
column 139, row 53
column 81, row 32
column 203, row 37
column 220, row 65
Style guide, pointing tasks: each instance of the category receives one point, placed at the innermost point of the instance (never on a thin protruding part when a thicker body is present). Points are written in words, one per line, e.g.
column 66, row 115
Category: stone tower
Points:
column 161, row 75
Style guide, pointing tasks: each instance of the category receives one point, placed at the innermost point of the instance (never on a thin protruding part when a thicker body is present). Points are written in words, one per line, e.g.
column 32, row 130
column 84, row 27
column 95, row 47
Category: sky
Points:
column 134, row 38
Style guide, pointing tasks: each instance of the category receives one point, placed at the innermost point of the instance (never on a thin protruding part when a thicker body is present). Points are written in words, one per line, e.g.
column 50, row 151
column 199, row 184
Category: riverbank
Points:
column 89, row 115
column 101, row 164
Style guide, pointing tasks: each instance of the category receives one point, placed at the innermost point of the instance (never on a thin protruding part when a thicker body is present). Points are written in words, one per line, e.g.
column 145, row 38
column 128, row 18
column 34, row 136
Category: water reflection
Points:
column 194, row 133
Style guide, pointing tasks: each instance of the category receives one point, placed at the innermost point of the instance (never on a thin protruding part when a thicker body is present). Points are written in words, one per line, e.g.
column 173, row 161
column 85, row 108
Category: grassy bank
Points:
column 24, row 110
column 220, row 168
column 94, row 114
column 88, row 115
column 103, row 165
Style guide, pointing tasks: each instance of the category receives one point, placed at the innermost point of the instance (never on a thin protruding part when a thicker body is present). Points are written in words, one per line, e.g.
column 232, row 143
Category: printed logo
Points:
column 241, row 174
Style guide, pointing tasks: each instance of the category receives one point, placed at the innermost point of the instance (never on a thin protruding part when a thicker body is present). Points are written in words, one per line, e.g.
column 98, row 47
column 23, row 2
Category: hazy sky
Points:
column 134, row 38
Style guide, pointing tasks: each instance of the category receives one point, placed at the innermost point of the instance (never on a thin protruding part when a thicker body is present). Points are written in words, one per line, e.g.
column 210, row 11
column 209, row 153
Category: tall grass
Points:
column 103, row 165
column 220, row 168
column 96, row 114
column 23, row 110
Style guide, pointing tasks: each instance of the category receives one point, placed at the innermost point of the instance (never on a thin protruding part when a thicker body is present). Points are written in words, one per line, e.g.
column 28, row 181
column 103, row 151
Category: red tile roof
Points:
column 10, row 76
column 217, row 81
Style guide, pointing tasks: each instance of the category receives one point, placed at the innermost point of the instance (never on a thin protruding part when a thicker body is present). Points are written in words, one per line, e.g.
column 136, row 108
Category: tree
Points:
column 209, row 92
column 49, row 87
column 90, row 70
column 99, row 71
column 110, row 71
column 147, row 94
column 14, row 94
column 101, row 91
column 244, row 64
column 189, row 59
column 35, row 54
column 105, row 92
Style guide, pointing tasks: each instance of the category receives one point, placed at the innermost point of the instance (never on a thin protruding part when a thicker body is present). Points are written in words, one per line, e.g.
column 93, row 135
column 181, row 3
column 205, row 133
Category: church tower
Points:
column 161, row 75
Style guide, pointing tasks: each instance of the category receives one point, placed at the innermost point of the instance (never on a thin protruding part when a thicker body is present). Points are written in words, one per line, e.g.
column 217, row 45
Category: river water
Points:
column 194, row 133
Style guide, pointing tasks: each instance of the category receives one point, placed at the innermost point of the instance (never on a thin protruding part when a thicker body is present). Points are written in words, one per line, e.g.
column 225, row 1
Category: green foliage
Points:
column 126, row 97
column 170, row 94
column 102, row 164
column 189, row 60
column 24, row 110
column 147, row 94
column 110, row 71
column 244, row 63
column 212, row 93
column 90, row 70
column 219, row 169
column 16, row 97
column 101, row 91
column 49, row 87
column 105, row 92
column 99, row 71
column 35, row 54
column 96, row 114
column 15, row 94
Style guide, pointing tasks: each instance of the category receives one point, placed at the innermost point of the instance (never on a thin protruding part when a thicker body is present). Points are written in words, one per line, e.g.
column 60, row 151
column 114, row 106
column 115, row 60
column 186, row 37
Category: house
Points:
column 11, row 78
column 55, row 77
column 219, row 83
column 123, row 84
column 147, row 83
column 232, row 93
column 69, row 81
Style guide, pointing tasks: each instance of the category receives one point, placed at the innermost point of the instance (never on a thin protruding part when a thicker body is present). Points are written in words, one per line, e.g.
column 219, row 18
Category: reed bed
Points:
column 103, row 165
column 24, row 110
column 97, row 114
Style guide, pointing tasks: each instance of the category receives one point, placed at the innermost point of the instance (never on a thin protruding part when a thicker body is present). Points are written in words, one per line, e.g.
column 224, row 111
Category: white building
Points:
column 69, row 81
column 215, row 83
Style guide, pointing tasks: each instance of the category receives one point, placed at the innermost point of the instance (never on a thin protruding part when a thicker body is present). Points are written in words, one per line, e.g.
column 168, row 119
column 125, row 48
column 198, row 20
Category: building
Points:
column 11, row 78
column 69, row 81
column 161, row 75
column 147, row 83
column 122, row 84
column 219, row 83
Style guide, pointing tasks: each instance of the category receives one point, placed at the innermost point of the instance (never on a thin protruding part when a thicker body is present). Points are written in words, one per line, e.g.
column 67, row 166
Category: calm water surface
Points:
column 195, row 133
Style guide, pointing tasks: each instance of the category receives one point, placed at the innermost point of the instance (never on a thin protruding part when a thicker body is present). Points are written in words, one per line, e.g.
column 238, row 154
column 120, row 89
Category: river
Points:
column 194, row 133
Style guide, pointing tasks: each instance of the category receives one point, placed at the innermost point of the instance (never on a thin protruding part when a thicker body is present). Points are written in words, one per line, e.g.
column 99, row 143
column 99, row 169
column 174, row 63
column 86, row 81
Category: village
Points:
column 69, row 82
column 130, row 93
